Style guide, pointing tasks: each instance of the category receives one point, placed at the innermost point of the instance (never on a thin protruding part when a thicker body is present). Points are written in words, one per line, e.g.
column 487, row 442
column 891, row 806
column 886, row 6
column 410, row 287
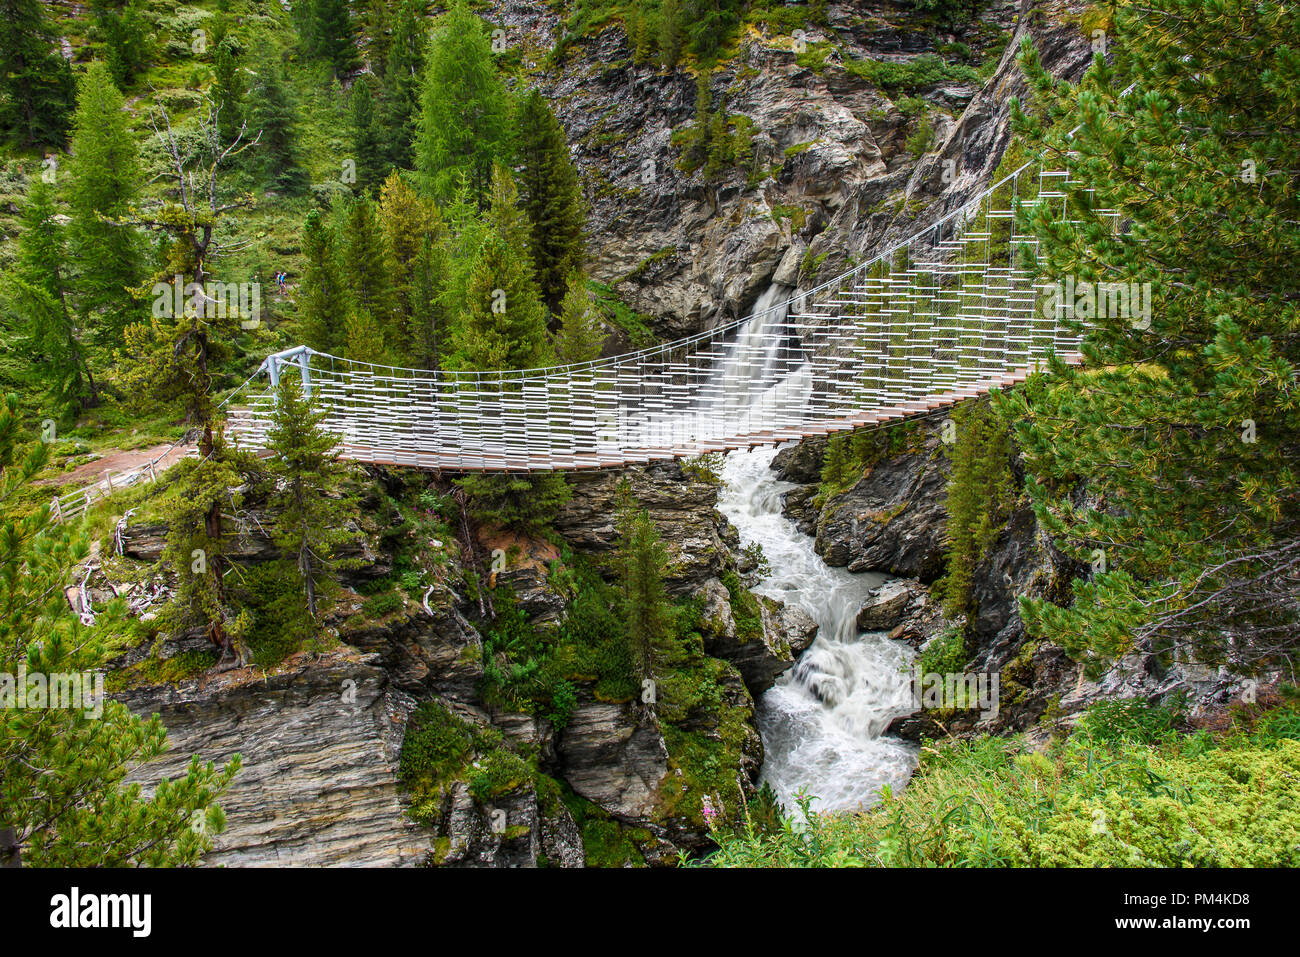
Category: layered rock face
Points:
column 321, row 734
column 319, row 744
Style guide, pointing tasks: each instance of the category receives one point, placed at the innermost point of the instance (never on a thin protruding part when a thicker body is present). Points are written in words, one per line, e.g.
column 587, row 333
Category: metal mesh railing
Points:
column 945, row 315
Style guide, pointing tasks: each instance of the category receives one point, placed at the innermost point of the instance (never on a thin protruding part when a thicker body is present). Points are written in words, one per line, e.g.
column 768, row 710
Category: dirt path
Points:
column 118, row 461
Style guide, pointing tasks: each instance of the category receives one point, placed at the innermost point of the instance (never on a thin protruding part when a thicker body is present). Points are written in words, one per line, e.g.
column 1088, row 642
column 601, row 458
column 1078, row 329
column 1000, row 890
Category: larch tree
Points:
column 464, row 120
column 106, row 181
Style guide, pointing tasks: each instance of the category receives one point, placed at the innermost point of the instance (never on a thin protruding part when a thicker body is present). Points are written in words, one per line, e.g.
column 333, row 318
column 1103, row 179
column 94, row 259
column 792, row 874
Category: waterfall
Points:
column 823, row 721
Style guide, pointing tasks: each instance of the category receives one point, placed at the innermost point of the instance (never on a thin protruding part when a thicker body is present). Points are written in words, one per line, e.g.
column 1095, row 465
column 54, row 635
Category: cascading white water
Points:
column 822, row 722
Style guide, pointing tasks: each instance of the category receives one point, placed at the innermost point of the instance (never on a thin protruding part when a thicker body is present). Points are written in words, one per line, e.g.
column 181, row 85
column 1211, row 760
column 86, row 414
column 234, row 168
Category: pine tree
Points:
column 464, row 119
column 671, row 33
column 62, row 800
column 310, row 515
column 36, row 85
column 503, row 323
column 1181, row 424
column 273, row 121
column 401, row 88
column 106, row 180
column 367, row 144
column 366, row 277
column 321, row 307
column 38, row 292
column 581, row 336
column 552, row 197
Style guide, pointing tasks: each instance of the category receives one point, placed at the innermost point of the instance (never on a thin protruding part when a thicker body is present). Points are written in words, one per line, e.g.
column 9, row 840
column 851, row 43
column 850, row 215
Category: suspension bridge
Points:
column 945, row 315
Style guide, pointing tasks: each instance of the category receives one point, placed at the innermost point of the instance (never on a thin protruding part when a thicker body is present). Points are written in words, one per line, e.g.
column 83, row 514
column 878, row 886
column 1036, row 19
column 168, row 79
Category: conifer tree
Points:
column 273, row 120
column 503, row 323
column 552, row 197
column 414, row 237
column 36, row 85
column 581, row 336
column 174, row 359
column 403, row 74
column 321, row 308
column 38, row 293
column 1181, row 423
column 367, row 143
column 643, row 559
column 366, row 276
column 228, row 87
column 309, row 524
column 331, row 35
column 62, row 798
column 126, row 40
column 671, row 34
column 106, row 180
column 464, row 118
column 980, row 494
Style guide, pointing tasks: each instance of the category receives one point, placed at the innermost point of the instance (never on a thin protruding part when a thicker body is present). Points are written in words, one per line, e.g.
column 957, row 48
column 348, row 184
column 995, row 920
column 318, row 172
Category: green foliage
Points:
column 744, row 608
column 715, row 141
column 921, row 138
column 37, row 294
column 1180, row 425
column 642, row 560
column 62, row 800
column 551, row 196
column 311, row 515
column 327, row 32
column 440, row 747
column 127, row 43
column 321, row 310
column 945, row 654
column 1132, row 794
column 581, row 336
column 272, row 595
column 1131, row 720
column 36, row 85
column 850, row 455
column 919, row 73
column 272, row 118
column 106, row 181
column 981, row 493
column 463, row 128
